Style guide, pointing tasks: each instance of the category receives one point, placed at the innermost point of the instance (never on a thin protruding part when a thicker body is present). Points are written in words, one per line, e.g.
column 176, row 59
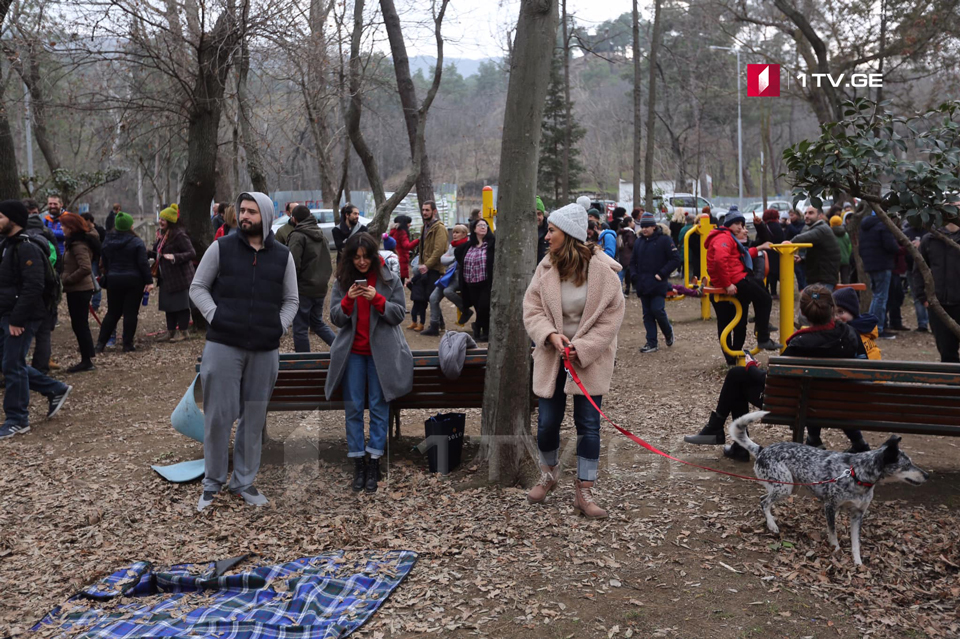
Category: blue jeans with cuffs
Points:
column 585, row 417
column 360, row 384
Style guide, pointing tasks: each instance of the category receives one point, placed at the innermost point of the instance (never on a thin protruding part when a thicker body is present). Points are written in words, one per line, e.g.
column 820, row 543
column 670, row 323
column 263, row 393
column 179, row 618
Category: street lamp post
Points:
column 739, row 120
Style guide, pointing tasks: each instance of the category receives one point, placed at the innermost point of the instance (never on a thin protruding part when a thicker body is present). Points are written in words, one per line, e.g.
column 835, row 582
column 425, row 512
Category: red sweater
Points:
column 361, row 340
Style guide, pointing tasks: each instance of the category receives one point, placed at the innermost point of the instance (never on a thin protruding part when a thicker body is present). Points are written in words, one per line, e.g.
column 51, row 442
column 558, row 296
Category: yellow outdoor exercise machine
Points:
column 703, row 229
column 487, row 211
column 720, row 295
column 787, row 282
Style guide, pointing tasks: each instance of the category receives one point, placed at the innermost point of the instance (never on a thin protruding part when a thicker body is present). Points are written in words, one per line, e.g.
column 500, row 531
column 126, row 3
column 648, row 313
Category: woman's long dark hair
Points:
column 347, row 273
column 403, row 223
column 474, row 240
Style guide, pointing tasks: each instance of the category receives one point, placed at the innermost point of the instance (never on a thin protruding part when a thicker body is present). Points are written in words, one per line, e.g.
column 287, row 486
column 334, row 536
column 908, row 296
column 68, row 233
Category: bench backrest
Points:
column 302, row 376
column 888, row 396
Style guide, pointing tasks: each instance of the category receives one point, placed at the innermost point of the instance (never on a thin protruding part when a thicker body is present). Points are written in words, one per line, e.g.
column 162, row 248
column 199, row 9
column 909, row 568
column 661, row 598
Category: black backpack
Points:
column 52, row 288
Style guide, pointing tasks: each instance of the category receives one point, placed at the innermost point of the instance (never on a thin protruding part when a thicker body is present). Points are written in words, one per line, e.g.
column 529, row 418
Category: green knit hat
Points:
column 123, row 221
column 540, row 206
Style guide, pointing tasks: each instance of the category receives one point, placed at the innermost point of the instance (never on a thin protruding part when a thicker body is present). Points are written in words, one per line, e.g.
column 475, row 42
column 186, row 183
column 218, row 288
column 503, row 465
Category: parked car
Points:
column 324, row 218
column 757, row 209
column 805, row 202
column 687, row 203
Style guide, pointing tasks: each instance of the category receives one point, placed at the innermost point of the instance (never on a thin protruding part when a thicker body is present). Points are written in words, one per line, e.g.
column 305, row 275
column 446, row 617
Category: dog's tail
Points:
column 738, row 431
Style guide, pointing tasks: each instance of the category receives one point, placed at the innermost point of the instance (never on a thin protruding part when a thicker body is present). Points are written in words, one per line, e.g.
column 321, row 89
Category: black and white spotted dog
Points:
column 797, row 463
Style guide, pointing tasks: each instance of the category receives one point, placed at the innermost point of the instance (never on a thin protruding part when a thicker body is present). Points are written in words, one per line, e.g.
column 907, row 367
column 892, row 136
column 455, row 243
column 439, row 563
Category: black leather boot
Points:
column 373, row 475
column 711, row 435
column 359, row 473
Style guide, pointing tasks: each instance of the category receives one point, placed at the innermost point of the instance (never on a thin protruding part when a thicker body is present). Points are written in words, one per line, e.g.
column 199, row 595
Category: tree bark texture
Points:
column 215, row 51
column 568, row 116
column 652, row 106
column 408, row 94
column 9, row 174
column 637, row 105
column 258, row 176
column 506, row 401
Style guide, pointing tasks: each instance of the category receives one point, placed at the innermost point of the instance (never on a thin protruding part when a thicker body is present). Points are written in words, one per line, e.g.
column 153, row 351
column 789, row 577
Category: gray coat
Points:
column 391, row 355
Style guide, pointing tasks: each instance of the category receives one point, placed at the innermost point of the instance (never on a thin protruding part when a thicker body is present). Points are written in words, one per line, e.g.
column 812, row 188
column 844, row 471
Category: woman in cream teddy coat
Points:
column 574, row 300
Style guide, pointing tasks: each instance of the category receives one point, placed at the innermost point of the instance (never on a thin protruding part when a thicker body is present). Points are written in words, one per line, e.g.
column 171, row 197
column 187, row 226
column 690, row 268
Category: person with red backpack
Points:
column 730, row 267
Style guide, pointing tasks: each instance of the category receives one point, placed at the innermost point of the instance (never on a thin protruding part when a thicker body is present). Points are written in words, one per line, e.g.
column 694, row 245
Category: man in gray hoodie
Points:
column 246, row 289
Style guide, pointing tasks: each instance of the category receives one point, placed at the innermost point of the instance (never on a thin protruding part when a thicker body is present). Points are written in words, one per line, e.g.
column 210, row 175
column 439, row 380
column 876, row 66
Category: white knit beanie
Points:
column 572, row 220
column 584, row 201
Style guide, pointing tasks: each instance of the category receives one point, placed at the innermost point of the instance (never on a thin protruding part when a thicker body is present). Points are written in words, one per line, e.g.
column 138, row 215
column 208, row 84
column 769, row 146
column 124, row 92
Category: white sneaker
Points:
column 253, row 497
column 205, row 500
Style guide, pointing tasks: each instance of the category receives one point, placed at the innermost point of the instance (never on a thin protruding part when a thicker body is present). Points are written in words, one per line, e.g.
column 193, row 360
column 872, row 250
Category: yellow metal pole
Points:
column 704, row 229
column 786, row 252
column 487, row 212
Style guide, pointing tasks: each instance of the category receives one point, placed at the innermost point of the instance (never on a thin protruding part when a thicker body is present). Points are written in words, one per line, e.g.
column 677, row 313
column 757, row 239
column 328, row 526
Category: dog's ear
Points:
column 891, row 449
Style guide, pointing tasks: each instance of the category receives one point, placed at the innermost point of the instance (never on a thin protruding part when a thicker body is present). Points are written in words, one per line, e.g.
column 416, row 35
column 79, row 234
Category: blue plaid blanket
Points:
column 318, row 597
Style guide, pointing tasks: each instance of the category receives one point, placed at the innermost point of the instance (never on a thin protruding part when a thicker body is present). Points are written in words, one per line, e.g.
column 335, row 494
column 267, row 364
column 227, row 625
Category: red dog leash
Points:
column 653, row 449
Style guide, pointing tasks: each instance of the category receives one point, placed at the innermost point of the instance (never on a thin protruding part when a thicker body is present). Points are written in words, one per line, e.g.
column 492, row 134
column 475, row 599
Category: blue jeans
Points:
column 880, row 288
column 310, row 316
column 587, row 420
column 654, row 313
column 360, row 385
column 800, row 275
column 20, row 378
column 923, row 316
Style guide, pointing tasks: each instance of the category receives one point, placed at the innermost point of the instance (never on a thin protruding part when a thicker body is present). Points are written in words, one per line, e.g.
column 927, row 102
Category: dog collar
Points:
column 853, row 476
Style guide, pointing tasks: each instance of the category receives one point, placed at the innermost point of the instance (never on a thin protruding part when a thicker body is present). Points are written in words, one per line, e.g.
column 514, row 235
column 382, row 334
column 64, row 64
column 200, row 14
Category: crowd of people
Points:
column 252, row 286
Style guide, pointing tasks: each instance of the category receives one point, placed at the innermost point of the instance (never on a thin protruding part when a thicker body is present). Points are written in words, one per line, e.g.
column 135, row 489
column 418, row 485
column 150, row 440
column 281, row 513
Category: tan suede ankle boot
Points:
column 583, row 503
column 548, row 479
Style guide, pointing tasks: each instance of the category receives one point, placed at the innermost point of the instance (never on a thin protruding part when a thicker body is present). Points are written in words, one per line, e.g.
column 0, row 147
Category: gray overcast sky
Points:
column 477, row 28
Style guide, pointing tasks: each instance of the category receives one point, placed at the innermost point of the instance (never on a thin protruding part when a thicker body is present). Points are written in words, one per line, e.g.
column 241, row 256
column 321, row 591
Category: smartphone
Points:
column 362, row 283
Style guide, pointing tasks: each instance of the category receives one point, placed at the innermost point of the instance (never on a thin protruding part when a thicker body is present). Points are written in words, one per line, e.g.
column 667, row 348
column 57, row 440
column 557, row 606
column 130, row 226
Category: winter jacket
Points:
column 404, row 246
column 846, row 245
column 388, row 347
column 432, row 246
column 628, row 238
column 769, row 232
column 653, row 256
column 822, row 260
column 123, row 261
column 608, row 242
column 878, row 247
column 227, row 230
column 542, row 245
column 311, row 256
column 22, row 281
column 460, row 255
column 792, row 229
column 248, row 296
column 866, row 326
column 343, row 232
column 944, row 263
column 453, row 351
column 390, row 261
column 596, row 338
column 282, row 233
column 177, row 275
column 726, row 258
column 694, row 258
column 835, row 340
column 53, row 223
column 78, row 260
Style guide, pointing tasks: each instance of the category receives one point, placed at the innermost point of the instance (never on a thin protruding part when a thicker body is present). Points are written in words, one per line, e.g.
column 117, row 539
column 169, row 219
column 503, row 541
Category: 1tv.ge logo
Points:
column 763, row 80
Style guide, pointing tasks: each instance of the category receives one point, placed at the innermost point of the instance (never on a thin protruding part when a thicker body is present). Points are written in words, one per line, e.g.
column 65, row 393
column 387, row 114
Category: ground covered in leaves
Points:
column 684, row 553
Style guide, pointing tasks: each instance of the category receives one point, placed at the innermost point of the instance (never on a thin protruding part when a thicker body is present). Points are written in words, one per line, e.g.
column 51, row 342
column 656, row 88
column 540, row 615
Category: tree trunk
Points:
column 408, row 95
column 206, row 103
column 506, row 400
column 637, row 105
column 652, row 106
column 853, row 229
column 9, row 175
column 258, row 176
column 568, row 116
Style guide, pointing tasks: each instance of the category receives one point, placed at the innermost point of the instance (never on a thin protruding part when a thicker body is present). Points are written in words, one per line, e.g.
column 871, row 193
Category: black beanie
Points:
column 16, row 211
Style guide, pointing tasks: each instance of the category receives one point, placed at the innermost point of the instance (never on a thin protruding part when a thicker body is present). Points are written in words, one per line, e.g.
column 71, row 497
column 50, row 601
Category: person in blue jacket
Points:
column 607, row 241
column 655, row 257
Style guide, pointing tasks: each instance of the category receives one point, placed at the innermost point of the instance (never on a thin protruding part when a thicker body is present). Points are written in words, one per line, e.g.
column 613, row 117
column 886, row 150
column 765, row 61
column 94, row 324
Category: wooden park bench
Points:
column 302, row 376
column 919, row 398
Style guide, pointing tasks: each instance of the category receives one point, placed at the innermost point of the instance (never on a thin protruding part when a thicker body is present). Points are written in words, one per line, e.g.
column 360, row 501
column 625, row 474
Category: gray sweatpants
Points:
column 237, row 384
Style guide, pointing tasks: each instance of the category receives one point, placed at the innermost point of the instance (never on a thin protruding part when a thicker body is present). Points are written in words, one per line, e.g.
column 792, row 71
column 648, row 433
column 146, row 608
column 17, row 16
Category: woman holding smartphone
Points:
column 369, row 359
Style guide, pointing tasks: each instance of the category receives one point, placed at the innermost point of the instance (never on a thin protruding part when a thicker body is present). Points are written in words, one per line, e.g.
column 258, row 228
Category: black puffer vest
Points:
column 249, row 293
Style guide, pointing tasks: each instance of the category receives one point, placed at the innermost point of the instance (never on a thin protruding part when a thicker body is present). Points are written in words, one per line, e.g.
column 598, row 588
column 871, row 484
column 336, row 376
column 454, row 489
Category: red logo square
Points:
column 763, row 80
